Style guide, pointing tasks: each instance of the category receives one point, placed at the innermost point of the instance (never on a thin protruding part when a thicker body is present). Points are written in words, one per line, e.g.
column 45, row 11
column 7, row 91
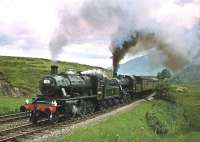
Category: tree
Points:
column 164, row 74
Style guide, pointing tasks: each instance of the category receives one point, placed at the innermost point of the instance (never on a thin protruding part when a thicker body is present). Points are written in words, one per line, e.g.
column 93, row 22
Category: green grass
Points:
column 124, row 127
column 181, row 119
column 10, row 104
column 190, row 101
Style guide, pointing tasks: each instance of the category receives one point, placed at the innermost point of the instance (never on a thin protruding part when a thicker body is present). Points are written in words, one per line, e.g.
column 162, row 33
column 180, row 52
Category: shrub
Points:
column 164, row 92
column 156, row 124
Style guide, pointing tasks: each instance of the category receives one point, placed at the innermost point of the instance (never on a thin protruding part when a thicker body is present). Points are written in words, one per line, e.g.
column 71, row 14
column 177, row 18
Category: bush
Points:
column 164, row 92
column 156, row 124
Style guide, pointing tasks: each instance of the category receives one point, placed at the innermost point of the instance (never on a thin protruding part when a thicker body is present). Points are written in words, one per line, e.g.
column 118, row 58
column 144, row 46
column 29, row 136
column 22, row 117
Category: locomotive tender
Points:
column 73, row 94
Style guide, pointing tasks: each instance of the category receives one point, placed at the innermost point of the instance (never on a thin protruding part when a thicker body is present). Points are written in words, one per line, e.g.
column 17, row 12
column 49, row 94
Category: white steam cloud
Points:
column 171, row 27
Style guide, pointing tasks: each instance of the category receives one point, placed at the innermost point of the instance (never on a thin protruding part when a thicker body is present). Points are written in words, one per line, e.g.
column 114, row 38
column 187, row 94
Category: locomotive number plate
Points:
column 46, row 81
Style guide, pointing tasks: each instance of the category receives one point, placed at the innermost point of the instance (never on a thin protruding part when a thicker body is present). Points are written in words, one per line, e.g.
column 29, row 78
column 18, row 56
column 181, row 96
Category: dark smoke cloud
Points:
column 174, row 60
column 174, row 43
column 120, row 52
column 135, row 26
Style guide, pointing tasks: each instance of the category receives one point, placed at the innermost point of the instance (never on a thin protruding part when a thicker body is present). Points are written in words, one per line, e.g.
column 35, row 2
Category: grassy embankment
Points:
column 24, row 73
column 181, row 121
column 10, row 104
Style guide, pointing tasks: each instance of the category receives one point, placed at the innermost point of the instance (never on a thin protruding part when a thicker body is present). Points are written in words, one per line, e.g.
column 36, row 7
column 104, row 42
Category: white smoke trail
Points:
column 174, row 24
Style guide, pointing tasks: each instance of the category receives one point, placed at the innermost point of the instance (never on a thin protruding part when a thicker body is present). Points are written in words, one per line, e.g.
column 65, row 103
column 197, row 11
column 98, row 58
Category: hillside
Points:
column 140, row 66
column 190, row 74
column 20, row 75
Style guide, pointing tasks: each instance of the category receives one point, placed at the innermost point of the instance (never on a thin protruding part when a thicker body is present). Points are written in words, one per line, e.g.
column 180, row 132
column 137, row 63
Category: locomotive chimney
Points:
column 114, row 73
column 54, row 69
column 115, row 67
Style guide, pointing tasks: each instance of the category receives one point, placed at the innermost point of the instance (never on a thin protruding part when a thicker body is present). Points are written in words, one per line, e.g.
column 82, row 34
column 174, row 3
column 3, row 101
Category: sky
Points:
column 28, row 26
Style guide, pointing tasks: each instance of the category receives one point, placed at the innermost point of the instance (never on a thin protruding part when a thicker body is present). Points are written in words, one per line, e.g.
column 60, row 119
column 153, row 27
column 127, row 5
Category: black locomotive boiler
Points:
column 73, row 94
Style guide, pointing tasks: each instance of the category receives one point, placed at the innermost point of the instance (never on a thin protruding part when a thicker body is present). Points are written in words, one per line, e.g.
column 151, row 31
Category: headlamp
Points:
column 27, row 101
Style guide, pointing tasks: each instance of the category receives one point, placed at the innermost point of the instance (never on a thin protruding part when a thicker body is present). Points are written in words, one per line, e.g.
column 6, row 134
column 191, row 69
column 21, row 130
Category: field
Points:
column 25, row 73
column 10, row 104
column 181, row 120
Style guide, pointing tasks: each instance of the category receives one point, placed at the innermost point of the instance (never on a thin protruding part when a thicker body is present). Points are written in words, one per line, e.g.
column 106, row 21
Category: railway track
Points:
column 13, row 134
column 13, row 117
column 22, row 132
column 68, row 125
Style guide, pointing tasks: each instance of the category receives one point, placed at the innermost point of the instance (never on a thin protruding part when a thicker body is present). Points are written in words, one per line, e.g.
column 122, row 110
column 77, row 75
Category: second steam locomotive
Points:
column 73, row 94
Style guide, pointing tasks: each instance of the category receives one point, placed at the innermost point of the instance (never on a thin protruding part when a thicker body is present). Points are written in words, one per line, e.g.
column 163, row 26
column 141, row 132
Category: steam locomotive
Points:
column 71, row 94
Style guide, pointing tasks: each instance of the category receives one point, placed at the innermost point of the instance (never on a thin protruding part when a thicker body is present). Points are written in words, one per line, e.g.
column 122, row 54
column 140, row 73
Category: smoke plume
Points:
column 56, row 44
column 120, row 52
column 171, row 28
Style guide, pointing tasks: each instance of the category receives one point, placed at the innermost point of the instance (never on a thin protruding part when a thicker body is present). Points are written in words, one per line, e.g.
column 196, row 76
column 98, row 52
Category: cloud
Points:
column 85, row 28
column 26, row 28
column 89, row 53
column 5, row 39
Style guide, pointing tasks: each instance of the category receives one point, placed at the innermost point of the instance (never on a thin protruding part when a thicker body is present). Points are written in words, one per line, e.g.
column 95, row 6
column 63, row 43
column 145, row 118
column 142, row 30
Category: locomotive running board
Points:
column 84, row 97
